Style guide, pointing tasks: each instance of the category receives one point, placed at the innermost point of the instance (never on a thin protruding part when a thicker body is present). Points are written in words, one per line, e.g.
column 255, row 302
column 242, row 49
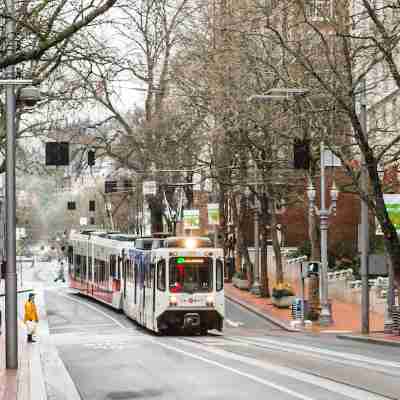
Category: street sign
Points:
column 149, row 188
column 191, row 219
column 213, row 213
column 20, row 233
column 330, row 159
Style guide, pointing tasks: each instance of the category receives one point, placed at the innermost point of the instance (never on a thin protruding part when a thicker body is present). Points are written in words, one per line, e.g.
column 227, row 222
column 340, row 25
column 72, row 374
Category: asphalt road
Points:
column 110, row 358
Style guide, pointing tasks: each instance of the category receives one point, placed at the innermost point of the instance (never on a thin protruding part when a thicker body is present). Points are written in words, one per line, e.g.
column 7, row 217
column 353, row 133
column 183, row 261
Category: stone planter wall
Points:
column 283, row 302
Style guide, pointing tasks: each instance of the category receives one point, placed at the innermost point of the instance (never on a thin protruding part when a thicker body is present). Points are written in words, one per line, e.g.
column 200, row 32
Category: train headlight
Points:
column 210, row 301
column 190, row 243
column 173, row 301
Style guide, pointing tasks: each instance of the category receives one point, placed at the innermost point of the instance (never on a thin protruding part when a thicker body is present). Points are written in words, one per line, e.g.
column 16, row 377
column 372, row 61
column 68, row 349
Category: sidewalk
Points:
column 41, row 374
column 25, row 383
column 347, row 317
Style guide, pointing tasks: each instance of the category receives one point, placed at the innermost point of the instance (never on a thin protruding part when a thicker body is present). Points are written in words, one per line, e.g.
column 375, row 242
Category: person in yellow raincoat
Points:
column 31, row 317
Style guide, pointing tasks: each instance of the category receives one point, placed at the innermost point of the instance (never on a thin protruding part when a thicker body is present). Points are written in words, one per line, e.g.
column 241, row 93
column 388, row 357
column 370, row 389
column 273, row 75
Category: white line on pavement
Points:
column 327, row 384
column 76, row 326
column 331, row 355
column 236, row 371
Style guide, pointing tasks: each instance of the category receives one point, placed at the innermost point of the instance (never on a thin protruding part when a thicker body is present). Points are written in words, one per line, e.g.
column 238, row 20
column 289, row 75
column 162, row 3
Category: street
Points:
column 109, row 357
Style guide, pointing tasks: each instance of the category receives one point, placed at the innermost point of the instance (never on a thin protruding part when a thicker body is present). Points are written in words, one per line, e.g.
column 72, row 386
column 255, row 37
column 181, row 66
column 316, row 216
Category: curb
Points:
column 367, row 339
column 267, row 317
column 18, row 292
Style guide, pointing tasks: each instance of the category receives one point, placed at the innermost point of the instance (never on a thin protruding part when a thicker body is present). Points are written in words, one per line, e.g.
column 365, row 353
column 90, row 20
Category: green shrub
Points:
column 282, row 290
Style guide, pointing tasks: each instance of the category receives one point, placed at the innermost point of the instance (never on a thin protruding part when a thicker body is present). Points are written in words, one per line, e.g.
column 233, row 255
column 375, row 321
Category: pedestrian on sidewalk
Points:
column 31, row 317
column 60, row 276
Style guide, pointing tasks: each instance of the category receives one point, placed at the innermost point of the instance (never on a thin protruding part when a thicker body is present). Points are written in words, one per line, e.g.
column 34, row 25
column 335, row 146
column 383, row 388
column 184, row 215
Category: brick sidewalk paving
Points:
column 347, row 317
column 15, row 384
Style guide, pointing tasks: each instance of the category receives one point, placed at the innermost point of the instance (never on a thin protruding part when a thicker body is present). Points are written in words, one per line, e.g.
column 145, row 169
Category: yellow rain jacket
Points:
column 30, row 312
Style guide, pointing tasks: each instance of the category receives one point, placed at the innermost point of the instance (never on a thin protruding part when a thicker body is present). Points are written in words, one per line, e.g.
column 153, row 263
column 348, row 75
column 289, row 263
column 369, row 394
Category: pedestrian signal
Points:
column 313, row 268
column 91, row 158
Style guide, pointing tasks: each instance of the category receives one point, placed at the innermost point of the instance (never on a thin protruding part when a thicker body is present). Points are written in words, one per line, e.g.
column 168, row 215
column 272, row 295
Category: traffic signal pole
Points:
column 11, row 272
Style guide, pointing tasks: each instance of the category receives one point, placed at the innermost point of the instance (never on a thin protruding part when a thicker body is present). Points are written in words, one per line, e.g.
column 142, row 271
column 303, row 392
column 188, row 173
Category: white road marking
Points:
column 234, row 323
column 327, row 384
column 236, row 371
column 331, row 355
column 94, row 308
column 71, row 326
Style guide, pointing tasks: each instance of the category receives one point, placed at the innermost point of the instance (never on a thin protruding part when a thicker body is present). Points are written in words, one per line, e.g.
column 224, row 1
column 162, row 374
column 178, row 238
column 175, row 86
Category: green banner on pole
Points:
column 392, row 203
column 213, row 214
column 191, row 219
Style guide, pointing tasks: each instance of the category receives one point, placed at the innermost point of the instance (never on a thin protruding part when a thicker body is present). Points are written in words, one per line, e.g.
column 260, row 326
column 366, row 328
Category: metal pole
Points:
column 325, row 317
column 255, row 289
column 11, row 272
column 364, row 224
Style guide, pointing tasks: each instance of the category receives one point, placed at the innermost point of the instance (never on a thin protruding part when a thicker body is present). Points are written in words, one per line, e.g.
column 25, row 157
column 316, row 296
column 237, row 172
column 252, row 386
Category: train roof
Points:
column 122, row 237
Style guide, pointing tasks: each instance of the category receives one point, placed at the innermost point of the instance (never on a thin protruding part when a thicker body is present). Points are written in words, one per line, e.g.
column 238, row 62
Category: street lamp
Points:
column 29, row 96
column 256, row 286
column 323, row 213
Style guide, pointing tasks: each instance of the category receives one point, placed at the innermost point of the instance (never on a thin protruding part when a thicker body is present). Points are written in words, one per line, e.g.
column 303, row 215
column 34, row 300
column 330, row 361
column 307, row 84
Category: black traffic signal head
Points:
column 57, row 153
column 71, row 205
column 128, row 184
column 91, row 158
column 301, row 154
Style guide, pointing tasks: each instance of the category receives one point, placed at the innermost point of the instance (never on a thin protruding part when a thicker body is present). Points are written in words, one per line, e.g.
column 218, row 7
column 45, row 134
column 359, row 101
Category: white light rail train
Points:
column 165, row 284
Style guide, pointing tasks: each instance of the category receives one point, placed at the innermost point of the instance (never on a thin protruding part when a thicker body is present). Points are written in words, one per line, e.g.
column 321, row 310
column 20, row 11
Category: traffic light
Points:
column 57, row 153
column 128, row 184
column 91, row 158
column 92, row 205
column 3, row 269
column 71, row 205
column 110, row 186
column 301, row 154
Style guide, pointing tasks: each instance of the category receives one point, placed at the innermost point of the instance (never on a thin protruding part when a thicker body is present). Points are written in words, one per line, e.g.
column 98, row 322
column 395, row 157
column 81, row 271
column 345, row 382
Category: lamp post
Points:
column 256, row 287
column 29, row 95
column 323, row 213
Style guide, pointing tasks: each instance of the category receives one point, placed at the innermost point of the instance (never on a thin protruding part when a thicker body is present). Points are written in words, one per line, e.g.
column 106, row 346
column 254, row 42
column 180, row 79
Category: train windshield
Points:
column 190, row 274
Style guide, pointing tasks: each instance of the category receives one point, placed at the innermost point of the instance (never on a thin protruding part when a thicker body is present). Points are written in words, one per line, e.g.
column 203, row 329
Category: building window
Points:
column 318, row 9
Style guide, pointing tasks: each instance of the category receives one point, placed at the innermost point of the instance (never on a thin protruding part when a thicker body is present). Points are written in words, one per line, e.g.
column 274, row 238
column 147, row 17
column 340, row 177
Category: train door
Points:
column 153, row 306
column 139, row 287
column 160, row 285
column 149, row 292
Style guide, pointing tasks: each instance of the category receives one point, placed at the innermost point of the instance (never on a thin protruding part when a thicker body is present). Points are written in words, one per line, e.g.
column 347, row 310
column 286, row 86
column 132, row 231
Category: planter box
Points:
column 283, row 302
column 241, row 283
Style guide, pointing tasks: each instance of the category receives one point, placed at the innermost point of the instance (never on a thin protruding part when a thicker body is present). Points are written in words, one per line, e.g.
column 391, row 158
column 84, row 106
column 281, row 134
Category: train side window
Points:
column 161, row 281
column 220, row 276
